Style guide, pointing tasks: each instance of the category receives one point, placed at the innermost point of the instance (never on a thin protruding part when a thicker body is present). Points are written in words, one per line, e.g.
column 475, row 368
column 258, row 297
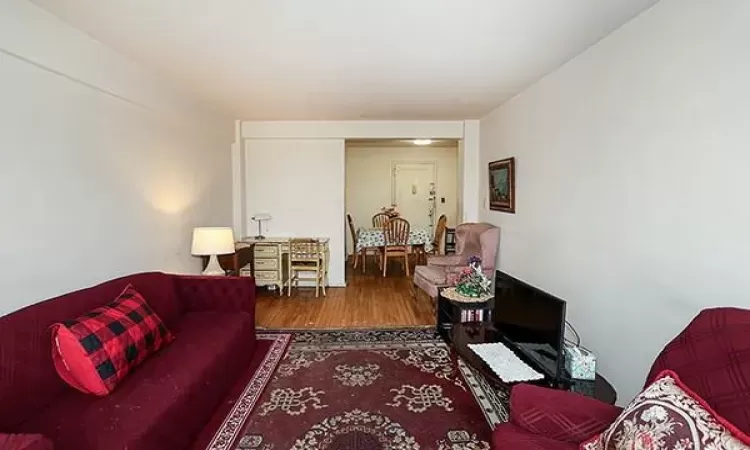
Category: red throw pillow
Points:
column 668, row 415
column 94, row 352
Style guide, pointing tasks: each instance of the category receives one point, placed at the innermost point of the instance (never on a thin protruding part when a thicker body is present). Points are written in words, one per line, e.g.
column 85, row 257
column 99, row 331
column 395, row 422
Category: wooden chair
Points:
column 396, row 233
column 306, row 255
column 419, row 250
column 379, row 220
column 365, row 250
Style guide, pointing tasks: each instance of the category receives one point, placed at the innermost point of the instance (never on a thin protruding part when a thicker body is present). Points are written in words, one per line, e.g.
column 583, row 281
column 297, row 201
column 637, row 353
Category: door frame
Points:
column 433, row 165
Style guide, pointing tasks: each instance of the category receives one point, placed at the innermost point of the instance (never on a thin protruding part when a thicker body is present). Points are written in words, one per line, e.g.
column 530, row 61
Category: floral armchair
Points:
column 472, row 240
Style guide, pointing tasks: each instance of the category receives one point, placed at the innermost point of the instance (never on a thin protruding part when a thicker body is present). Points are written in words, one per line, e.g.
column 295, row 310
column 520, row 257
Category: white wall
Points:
column 104, row 169
column 368, row 179
column 290, row 179
column 632, row 167
column 469, row 167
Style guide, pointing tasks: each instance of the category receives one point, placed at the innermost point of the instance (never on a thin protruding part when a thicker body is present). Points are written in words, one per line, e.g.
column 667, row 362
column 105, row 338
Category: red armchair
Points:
column 711, row 355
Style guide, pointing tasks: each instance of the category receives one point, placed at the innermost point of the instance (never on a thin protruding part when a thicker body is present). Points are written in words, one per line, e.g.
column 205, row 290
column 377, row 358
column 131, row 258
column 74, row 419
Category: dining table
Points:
column 374, row 237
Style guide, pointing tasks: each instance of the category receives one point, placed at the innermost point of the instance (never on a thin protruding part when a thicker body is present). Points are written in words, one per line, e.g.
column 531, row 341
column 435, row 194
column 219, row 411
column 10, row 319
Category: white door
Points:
column 413, row 192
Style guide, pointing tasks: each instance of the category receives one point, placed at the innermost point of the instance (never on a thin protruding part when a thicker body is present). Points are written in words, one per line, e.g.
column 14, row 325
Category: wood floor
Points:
column 368, row 300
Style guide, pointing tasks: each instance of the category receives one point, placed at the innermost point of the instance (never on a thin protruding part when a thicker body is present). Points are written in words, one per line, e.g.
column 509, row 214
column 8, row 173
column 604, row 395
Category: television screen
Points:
column 532, row 321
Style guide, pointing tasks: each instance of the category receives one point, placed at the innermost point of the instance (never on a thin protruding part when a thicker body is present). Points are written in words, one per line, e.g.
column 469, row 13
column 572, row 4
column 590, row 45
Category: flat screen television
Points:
column 532, row 324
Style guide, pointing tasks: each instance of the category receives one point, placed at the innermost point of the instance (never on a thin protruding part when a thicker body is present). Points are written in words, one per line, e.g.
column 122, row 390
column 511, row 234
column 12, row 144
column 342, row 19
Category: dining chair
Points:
column 396, row 236
column 437, row 240
column 379, row 220
column 306, row 255
column 364, row 251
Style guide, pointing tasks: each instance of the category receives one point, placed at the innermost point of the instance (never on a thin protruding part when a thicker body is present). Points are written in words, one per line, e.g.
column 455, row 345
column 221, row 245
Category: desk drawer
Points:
column 267, row 264
column 266, row 275
column 266, row 251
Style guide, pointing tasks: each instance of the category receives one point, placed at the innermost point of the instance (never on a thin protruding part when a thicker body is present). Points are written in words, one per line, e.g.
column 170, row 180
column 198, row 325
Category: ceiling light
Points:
column 422, row 141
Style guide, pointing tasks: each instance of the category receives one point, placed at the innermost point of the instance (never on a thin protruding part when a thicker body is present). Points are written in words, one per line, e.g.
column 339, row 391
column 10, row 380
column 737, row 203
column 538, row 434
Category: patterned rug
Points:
column 362, row 390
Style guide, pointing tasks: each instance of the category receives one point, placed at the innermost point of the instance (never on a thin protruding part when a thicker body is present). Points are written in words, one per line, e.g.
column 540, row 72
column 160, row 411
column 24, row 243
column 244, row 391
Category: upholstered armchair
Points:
column 711, row 356
column 472, row 239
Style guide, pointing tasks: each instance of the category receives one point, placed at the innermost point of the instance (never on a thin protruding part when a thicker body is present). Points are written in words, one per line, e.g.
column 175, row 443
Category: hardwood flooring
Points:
column 368, row 300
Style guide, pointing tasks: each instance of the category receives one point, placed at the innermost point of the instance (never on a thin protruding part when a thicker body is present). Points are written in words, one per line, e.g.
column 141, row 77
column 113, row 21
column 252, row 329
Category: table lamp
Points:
column 260, row 218
column 212, row 241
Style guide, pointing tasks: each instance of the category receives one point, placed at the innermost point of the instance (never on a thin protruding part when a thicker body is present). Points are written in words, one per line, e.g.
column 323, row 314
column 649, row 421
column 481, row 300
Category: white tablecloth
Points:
column 373, row 237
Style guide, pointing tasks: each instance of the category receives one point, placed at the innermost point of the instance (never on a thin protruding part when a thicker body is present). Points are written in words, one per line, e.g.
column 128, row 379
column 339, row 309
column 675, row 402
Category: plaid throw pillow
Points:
column 669, row 416
column 95, row 351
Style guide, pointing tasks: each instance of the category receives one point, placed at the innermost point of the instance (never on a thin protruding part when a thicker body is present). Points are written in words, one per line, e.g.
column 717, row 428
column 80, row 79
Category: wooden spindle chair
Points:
column 379, row 220
column 437, row 241
column 306, row 255
column 396, row 234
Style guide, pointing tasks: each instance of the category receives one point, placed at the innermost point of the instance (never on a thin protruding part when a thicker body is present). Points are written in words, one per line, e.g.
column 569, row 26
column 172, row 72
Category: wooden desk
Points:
column 270, row 265
column 233, row 262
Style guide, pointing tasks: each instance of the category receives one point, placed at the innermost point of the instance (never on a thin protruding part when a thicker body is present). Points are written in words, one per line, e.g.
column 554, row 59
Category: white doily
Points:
column 506, row 365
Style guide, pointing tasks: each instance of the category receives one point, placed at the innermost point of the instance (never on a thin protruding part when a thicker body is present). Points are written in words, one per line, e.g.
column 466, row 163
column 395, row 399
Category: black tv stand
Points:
column 476, row 333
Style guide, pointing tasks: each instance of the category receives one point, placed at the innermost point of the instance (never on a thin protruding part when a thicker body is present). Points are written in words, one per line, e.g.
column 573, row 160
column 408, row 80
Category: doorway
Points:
column 413, row 189
column 420, row 181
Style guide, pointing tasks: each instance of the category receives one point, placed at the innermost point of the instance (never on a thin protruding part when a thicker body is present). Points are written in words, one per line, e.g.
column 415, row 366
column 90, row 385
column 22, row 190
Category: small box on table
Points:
column 580, row 362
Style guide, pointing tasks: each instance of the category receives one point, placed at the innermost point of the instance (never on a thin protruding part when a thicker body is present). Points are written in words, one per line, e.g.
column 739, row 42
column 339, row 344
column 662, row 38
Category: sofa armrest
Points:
column 558, row 414
column 202, row 293
column 446, row 260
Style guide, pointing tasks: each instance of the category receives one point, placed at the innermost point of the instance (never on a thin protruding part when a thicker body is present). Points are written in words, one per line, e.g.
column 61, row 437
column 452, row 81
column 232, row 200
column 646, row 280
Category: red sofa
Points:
column 165, row 402
column 711, row 356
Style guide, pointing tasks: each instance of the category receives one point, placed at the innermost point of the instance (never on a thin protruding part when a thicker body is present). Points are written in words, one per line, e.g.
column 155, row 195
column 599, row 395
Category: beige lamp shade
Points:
column 213, row 241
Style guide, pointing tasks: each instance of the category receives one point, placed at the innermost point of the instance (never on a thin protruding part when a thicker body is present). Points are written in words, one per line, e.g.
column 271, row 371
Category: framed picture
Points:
column 503, row 185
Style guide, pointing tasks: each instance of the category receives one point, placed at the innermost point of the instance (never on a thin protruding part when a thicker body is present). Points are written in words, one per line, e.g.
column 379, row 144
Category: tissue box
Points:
column 580, row 363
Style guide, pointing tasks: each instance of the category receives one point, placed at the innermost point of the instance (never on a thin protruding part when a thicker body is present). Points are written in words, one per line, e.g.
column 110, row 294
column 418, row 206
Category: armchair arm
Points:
column 201, row 293
column 446, row 260
column 559, row 415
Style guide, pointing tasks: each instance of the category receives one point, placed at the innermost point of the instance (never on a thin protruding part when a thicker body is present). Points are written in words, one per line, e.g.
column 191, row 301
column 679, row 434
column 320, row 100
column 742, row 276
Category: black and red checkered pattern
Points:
column 119, row 336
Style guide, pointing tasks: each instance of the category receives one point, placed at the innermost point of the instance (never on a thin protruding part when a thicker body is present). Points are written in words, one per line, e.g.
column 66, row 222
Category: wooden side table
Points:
column 233, row 262
column 451, row 305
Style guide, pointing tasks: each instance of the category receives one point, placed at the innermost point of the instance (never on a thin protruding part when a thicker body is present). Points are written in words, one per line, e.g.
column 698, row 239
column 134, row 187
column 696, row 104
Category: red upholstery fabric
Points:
column 559, row 415
column 165, row 402
column 712, row 357
column 512, row 437
column 24, row 442
column 98, row 349
column 28, row 380
column 198, row 293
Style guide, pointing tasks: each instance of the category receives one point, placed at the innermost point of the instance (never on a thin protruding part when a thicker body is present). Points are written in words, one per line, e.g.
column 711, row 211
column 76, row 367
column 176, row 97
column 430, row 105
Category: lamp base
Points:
column 213, row 268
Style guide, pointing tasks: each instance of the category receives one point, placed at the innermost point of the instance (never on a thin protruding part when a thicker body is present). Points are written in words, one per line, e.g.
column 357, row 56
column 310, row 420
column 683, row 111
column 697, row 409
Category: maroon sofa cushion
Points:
column 559, row 414
column 712, row 358
column 28, row 380
column 164, row 403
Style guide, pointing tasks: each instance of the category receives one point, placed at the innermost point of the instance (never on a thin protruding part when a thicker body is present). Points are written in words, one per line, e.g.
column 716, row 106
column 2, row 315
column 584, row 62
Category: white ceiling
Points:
column 350, row 59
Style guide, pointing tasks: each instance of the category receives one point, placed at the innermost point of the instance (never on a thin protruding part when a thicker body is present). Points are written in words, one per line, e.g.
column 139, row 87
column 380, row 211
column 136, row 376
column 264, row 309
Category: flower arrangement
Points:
column 471, row 281
column 390, row 211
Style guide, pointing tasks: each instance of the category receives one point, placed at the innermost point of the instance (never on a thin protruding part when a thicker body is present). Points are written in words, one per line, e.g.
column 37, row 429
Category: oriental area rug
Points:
column 380, row 389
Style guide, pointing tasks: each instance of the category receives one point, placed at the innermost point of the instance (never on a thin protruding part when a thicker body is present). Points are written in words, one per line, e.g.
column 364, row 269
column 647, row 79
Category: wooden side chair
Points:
column 379, row 220
column 396, row 233
column 306, row 255
column 353, row 232
column 419, row 250
column 365, row 250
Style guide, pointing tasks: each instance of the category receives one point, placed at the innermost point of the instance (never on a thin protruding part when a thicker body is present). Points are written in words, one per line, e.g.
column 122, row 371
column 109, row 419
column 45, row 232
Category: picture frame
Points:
column 502, row 185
